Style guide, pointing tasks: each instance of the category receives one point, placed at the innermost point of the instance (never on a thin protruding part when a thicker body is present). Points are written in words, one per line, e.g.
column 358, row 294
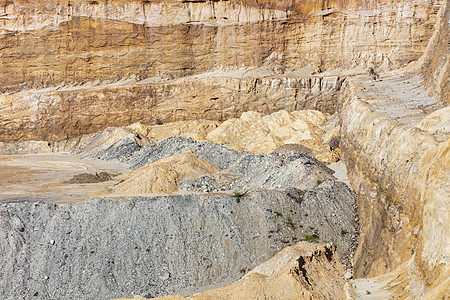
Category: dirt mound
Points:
column 177, row 163
column 263, row 134
column 91, row 178
column 174, row 244
column 196, row 129
column 301, row 271
column 296, row 148
column 94, row 145
column 258, row 133
column 164, row 176
column 270, row 171
column 155, row 246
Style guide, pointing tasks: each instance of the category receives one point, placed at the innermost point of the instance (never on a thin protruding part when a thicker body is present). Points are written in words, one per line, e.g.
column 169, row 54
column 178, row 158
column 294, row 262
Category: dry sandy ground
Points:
column 42, row 177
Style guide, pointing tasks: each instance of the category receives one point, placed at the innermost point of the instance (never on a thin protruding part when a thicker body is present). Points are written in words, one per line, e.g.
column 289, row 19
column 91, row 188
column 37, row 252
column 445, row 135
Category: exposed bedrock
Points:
column 139, row 48
column 58, row 114
column 76, row 42
column 435, row 62
column 394, row 139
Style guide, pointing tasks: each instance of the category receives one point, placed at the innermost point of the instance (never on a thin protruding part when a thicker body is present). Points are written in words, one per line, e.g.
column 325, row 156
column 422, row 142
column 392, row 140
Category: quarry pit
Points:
column 224, row 149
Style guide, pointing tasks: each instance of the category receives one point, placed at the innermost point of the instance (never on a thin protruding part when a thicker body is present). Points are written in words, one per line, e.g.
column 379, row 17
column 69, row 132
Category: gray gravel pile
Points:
column 120, row 150
column 179, row 244
column 215, row 154
column 246, row 170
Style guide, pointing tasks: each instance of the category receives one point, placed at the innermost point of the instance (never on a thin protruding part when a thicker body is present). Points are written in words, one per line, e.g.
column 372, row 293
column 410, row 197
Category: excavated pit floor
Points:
column 42, row 177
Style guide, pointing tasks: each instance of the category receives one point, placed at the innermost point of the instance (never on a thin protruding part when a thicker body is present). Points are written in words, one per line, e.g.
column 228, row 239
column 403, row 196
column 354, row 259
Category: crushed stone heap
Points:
column 223, row 212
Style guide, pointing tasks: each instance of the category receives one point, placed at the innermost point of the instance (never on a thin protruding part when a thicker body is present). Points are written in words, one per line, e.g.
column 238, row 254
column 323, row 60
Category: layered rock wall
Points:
column 61, row 42
column 130, row 44
column 435, row 62
column 59, row 114
column 398, row 156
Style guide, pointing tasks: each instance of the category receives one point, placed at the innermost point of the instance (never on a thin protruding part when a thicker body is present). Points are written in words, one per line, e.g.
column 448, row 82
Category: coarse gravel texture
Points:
column 244, row 171
column 196, row 240
column 181, row 244
column 248, row 170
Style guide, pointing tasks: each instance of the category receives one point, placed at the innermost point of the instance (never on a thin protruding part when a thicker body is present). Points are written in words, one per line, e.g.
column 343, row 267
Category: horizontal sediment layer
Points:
column 73, row 43
column 68, row 112
column 95, row 44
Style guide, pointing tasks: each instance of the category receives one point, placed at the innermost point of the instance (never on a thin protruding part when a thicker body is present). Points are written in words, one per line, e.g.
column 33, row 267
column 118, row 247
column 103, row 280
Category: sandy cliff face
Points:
column 435, row 62
column 66, row 43
column 397, row 154
column 58, row 114
column 399, row 168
